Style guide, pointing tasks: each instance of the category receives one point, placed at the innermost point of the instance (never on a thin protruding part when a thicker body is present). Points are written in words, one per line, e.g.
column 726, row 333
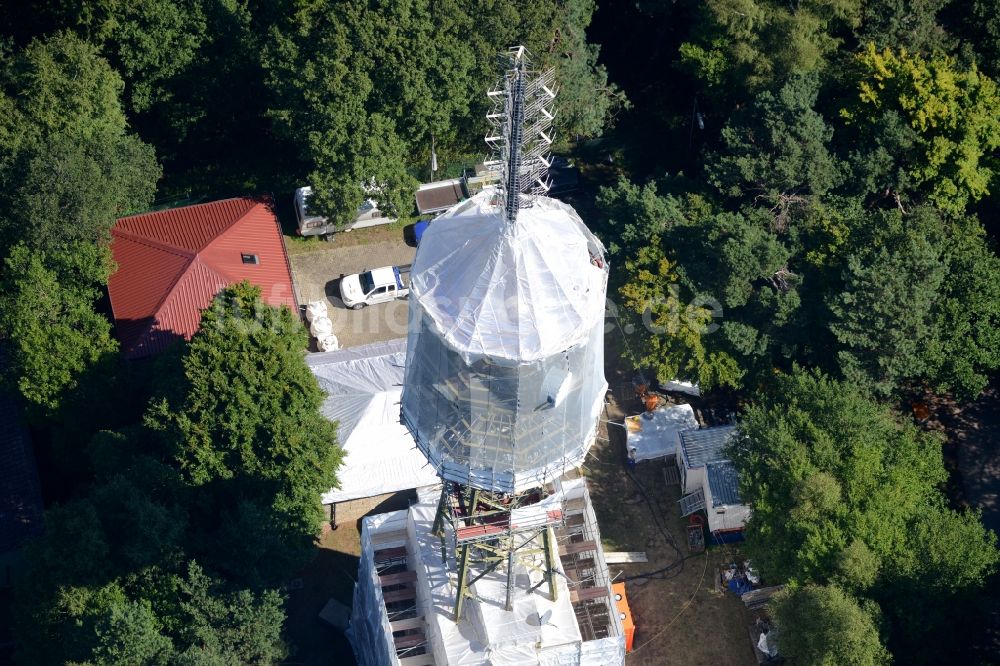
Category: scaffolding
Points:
column 405, row 598
column 491, row 530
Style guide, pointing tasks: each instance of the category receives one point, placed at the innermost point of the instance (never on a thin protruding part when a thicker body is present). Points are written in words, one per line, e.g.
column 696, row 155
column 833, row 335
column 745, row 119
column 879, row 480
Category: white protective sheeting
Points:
column 657, row 434
column 370, row 632
column 521, row 291
column 505, row 366
column 681, row 387
column 537, row 631
column 363, row 387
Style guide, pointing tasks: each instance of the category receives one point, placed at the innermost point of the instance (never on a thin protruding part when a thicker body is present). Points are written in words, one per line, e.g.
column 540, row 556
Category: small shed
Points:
column 710, row 481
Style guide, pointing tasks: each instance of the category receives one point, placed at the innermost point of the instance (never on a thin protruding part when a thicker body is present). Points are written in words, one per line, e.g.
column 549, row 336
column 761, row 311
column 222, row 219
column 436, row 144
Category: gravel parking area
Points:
column 317, row 276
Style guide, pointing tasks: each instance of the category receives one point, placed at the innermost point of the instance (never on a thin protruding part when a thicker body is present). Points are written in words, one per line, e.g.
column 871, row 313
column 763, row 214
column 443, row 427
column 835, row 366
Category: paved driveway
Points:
column 317, row 276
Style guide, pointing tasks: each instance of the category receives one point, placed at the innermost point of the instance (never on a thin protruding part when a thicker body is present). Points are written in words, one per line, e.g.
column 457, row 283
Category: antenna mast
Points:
column 521, row 119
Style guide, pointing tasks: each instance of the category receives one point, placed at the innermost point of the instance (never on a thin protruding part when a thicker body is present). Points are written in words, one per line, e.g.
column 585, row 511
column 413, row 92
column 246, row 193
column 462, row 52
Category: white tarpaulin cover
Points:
column 657, row 434
column 536, row 632
column 521, row 291
column 363, row 387
column 505, row 365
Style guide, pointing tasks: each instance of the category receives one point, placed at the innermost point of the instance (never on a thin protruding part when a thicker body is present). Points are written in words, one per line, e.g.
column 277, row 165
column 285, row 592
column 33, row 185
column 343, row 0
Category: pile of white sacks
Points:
column 321, row 327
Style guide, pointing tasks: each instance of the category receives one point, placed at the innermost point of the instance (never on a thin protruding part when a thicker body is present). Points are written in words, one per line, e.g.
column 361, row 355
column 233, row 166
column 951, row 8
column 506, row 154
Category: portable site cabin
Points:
column 710, row 481
column 367, row 215
column 363, row 386
column 727, row 514
column 698, row 447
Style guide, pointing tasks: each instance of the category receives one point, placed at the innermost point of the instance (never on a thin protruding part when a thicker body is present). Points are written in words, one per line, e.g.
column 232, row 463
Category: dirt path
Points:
column 681, row 618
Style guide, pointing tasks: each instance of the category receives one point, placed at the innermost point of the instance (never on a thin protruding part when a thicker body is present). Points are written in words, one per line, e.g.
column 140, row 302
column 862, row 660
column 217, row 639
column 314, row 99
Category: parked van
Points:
column 368, row 215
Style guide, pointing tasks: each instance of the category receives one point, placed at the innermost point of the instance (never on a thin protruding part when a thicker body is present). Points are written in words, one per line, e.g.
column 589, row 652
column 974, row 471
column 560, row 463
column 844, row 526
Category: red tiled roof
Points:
column 172, row 263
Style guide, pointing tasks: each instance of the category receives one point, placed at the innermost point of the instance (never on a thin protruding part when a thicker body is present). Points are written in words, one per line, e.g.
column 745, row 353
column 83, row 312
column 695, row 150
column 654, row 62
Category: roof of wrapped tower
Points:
column 520, row 291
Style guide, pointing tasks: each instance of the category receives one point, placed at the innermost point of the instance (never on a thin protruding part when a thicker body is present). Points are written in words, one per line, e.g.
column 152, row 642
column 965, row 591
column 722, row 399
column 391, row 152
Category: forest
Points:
column 799, row 202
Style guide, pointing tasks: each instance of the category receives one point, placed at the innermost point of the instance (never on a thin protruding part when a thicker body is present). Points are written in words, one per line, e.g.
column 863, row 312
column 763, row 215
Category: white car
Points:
column 375, row 286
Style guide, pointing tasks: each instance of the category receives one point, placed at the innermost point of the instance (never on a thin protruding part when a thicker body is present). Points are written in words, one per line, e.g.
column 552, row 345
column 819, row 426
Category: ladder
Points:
column 693, row 502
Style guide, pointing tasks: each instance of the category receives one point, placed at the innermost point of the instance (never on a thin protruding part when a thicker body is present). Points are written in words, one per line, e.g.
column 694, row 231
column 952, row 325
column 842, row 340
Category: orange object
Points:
column 625, row 613
column 652, row 402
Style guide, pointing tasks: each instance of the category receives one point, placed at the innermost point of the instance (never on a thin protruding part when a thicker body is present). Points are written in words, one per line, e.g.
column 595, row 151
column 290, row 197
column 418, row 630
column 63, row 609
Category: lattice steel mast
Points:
column 521, row 118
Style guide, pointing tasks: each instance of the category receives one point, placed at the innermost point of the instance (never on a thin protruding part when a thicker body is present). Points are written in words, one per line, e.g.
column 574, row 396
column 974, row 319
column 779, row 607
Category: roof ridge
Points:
column 257, row 201
column 254, row 200
column 195, row 259
column 184, row 274
column 152, row 242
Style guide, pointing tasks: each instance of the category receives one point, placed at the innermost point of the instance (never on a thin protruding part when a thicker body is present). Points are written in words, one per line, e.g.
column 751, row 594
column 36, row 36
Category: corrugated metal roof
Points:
column 20, row 490
column 724, row 483
column 172, row 263
column 705, row 444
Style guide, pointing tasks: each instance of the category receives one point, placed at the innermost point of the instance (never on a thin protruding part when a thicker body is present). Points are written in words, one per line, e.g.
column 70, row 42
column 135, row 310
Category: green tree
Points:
column 229, row 628
column 362, row 88
column 753, row 44
column 70, row 193
column 128, row 634
column 910, row 24
column 843, row 492
column 150, row 42
column 929, row 128
column 59, row 86
column 823, row 467
column 47, row 315
column 883, row 318
column 822, row 625
column 778, row 148
column 69, row 167
column 669, row 332
column 245, row 423
column 918, row 305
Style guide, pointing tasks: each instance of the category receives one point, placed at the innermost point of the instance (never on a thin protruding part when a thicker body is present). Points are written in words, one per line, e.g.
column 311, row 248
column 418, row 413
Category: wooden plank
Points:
column 574, row 548
column 583, row 594
column 759, row 597
column 624, row 557
column 397, row 578
column 389, row 554
column 409, row 623
column 409, row 640
column 575, row 519
column 477, row 532
column 400, row 595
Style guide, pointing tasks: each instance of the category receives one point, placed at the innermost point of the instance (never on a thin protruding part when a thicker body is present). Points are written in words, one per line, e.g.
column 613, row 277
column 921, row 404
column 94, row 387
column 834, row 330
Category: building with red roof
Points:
column 172, row 263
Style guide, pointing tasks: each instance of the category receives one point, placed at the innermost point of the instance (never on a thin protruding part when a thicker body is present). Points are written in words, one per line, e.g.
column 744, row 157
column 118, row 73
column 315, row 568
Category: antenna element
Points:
column 521, row 120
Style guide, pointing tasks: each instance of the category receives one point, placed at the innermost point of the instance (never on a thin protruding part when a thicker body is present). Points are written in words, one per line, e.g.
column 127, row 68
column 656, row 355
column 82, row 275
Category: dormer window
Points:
column 250, row 258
